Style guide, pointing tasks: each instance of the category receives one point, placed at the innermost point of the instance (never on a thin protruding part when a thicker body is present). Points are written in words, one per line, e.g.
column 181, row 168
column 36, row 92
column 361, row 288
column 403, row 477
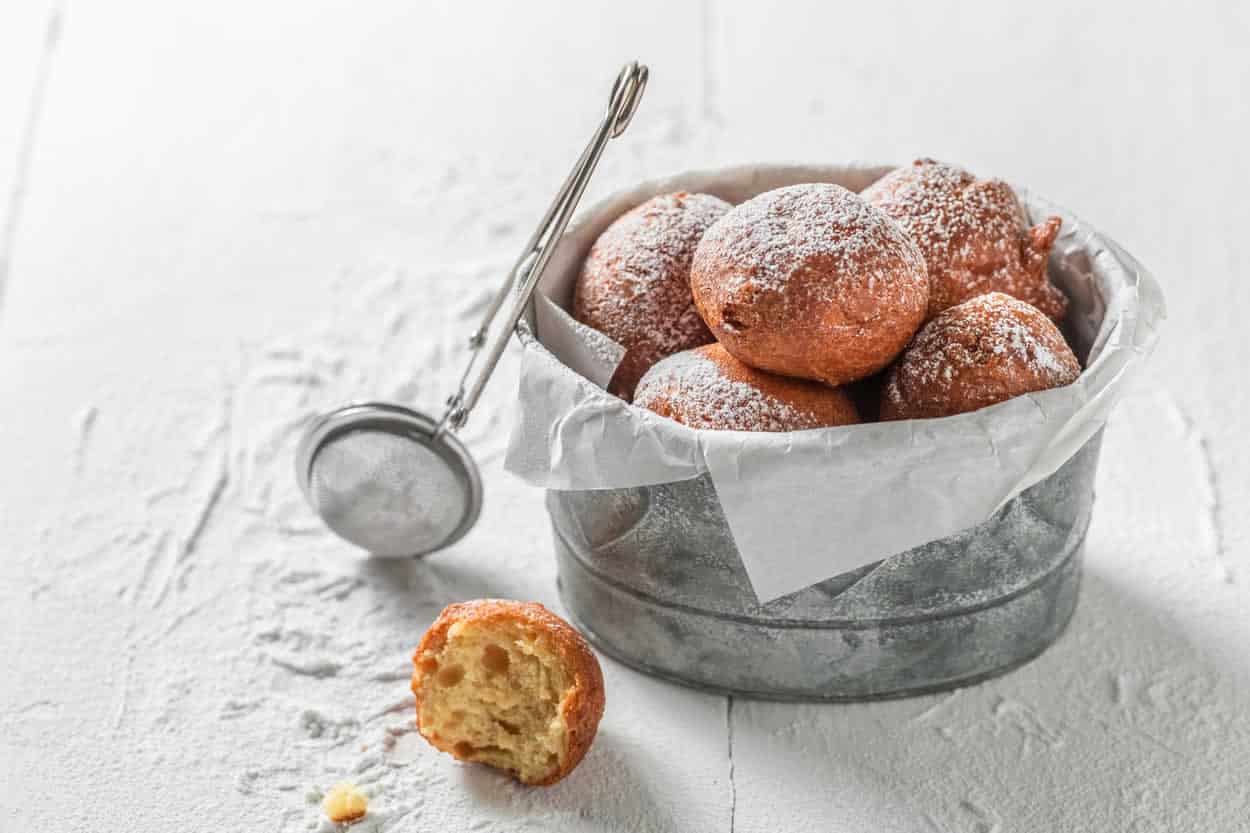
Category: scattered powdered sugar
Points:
column 713, row 400
column 770, row 240
column 950, row 356
column 1011, row 336
column 941, row 206
column 972, row 233
column 635, row 284
column 655, row 241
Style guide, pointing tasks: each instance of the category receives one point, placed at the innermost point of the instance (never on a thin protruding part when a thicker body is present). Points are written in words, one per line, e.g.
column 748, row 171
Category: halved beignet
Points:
column 510, row 685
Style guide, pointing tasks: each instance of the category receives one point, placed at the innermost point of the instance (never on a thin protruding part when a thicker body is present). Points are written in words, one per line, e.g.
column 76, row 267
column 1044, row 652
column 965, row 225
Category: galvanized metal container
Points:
column 651, row 573
column 652, row 577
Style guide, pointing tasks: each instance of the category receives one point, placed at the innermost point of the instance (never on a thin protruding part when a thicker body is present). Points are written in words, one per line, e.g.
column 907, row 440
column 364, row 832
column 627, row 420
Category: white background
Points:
column 217, row 218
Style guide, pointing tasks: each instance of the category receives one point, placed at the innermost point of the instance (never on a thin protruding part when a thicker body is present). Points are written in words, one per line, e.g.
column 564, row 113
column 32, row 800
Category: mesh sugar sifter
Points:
column 395, row 481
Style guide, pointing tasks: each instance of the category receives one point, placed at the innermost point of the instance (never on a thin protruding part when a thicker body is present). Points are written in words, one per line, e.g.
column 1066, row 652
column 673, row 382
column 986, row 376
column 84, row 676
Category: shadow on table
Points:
column 429, row 584
column 1124, row 724
column 611, row 790
column 604, row 793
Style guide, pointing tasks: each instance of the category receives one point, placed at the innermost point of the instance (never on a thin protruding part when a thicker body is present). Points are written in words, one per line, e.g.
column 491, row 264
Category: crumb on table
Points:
column 345, row 803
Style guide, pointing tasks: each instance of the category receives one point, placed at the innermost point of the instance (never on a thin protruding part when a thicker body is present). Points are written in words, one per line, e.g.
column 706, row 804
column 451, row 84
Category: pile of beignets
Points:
column 809, row 306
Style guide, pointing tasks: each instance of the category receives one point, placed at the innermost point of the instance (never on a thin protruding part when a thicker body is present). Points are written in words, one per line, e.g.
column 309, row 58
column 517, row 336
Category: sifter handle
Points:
column 529, row 267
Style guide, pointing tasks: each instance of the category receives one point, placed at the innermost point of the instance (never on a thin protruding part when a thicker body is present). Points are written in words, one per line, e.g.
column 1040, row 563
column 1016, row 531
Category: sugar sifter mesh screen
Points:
column 390, row 493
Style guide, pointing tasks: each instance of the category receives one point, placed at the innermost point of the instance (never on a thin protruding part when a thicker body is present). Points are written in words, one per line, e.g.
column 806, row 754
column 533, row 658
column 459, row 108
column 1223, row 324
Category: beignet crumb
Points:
column 344, row 803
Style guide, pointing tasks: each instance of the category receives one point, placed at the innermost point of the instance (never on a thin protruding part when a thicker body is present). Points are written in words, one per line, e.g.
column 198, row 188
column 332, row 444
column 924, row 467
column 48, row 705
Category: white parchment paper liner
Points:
column 808, row 505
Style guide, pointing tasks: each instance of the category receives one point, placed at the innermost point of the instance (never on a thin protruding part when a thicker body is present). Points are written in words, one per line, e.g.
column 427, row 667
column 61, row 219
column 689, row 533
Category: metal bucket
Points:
column 652, row 577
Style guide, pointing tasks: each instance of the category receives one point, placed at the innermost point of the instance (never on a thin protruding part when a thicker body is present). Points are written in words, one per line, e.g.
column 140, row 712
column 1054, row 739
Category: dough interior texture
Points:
column 498, row 691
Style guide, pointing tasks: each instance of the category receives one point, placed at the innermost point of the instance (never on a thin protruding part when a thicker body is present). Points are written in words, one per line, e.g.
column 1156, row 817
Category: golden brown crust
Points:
column 978, row 353
column 582, row 709
column 810, row 281
column 635, row 284
column 973, row 234
column 708, row 388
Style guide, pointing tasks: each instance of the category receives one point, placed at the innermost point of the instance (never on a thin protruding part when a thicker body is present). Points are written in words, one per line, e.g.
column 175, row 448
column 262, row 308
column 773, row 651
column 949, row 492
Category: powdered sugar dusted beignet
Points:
column 635, row 284
column 973, row 234
column 708, row 388
column 810, row 281
column 983, row 351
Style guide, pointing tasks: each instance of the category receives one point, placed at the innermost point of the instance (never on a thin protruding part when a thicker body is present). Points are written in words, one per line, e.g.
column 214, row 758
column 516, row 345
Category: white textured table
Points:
column 218, row 218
